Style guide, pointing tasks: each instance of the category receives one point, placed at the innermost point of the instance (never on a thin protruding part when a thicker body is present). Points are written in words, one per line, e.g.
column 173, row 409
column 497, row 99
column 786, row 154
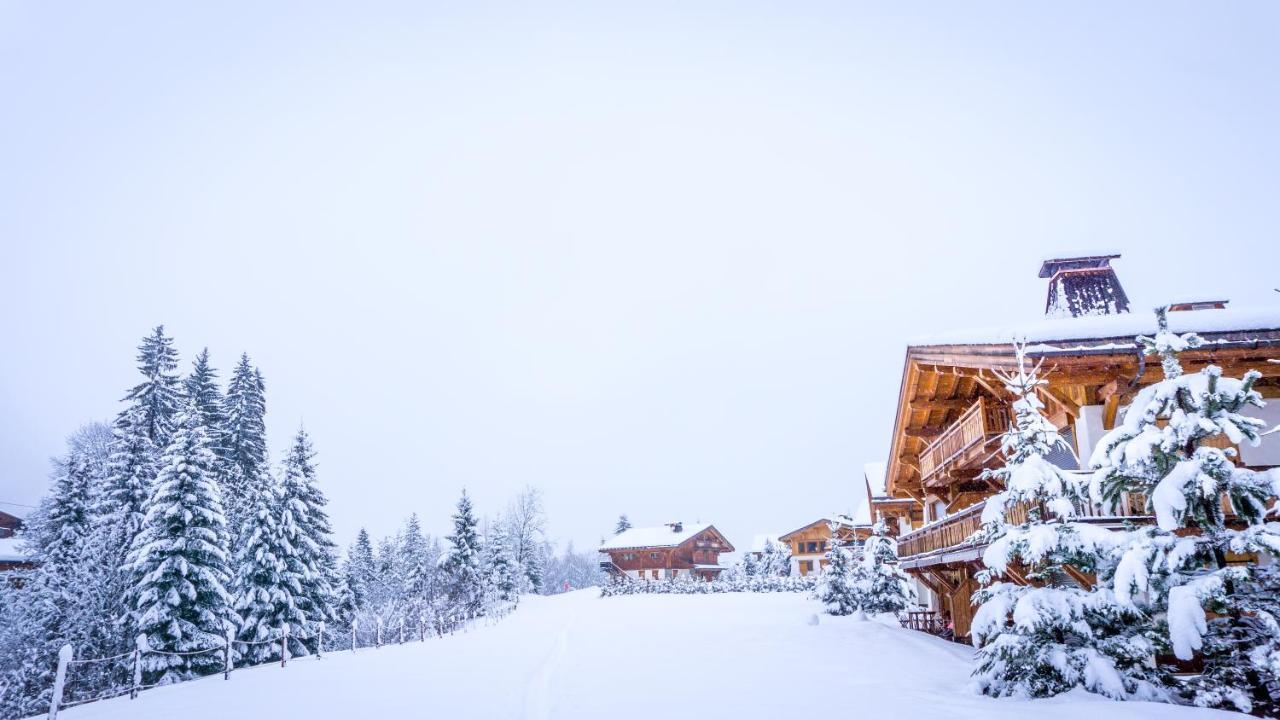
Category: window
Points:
column 806, row 567
column 655, row 574
column 813, row 547
column 653, row 556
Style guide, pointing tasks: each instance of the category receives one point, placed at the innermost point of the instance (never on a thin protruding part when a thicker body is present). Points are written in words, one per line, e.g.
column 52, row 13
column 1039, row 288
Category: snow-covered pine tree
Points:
column 1049, row 636
column 244, row 440
column 202, row 390
column 269, row 577
column 313, row 540
column 1167, row 449
column 886, row 589
column 841, row 587
column 623, row 525
column 499, row 566
column 361, row 570
column 462, row 560
column 159, row 395
column 414, row 575
column 775, row 561
column 179, row 561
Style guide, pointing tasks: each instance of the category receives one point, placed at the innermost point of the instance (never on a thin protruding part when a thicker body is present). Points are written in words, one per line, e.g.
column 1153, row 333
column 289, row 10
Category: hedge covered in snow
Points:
column 687, row 585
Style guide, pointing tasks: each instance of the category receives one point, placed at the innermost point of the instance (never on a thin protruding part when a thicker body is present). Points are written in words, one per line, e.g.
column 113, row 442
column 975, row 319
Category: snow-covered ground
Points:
column 742, row 656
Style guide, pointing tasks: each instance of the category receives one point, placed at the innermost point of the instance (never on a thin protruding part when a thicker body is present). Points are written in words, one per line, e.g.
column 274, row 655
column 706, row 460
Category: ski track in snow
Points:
column 581, row 657
column 538, row 696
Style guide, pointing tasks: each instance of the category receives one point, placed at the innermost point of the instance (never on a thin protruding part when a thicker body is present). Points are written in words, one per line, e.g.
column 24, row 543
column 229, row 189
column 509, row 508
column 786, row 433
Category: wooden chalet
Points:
column 665, row 552
column 809, row 544
column 12, row 556
column 952, row 410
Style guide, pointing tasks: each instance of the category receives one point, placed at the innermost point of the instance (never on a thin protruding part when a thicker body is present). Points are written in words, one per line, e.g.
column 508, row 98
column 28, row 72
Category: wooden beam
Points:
column 949, row 586
column 924, row 433
column 1084, row 580
column 1016, row 575
column 923, row 404
column 1110, row 407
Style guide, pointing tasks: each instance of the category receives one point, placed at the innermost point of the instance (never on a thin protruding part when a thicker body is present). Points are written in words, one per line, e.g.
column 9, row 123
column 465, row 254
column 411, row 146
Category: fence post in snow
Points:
column 284, row 644
column 59, row 679
column 320, row 640
column 353, row 634
column 226, row 654
column 402, row 631
column 377, row 641
column 140, row 646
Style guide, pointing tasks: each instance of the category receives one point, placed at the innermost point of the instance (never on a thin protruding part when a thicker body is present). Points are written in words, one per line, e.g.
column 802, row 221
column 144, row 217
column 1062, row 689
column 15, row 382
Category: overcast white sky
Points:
column 650, row 258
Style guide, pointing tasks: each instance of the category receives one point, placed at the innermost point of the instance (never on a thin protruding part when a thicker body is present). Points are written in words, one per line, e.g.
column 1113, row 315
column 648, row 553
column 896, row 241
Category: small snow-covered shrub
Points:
column 686, row 585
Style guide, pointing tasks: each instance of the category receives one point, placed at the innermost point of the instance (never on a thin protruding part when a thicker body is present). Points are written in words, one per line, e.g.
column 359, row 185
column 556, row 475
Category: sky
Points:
column 653, row 258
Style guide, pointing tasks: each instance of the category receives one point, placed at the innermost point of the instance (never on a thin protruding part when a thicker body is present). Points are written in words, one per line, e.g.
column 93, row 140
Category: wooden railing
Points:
column 948, row 532
column 983, row 421
column 955, row 530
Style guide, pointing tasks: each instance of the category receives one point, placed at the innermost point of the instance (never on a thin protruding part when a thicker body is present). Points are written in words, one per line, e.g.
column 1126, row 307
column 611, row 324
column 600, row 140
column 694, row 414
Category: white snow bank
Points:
column 578, row 657
column 11, row 550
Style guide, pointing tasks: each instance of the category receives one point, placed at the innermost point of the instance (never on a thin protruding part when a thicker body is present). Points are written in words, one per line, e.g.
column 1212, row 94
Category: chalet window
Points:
column 653, row 555
column 654, row 573
column 822, row 546
column 813, row 547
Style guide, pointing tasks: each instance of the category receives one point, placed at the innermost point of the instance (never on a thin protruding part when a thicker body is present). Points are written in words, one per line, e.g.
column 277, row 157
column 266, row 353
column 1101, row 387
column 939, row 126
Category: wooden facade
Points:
column 665, row 552
column 952, row 409
column 809, row 544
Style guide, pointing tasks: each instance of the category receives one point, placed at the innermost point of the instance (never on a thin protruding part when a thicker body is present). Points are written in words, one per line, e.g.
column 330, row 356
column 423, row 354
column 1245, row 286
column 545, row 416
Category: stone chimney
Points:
column 1083, row 285
column 676, row 526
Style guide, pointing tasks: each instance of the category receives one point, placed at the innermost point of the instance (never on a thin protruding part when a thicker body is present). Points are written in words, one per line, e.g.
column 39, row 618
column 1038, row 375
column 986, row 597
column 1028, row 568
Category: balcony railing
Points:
column 981, row 423
column 959, row 529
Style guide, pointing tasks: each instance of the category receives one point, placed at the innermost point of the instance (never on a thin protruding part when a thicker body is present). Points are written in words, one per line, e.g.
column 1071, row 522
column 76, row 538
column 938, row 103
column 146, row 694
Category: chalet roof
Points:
column 875, row 472
column 1116, row 332
column 11, row 552
column 660, row 536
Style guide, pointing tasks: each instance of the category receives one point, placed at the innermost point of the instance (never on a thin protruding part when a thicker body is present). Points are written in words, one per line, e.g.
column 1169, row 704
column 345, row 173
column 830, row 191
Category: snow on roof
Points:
column 862, row 514
column 660, row 536
column 760, row 542
column 11, row 552
column 875, row 474
column 1123, row 326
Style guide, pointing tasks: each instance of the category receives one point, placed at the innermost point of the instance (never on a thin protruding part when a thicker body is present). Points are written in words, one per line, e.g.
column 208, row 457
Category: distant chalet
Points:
column 665, row 552
column 13, row 557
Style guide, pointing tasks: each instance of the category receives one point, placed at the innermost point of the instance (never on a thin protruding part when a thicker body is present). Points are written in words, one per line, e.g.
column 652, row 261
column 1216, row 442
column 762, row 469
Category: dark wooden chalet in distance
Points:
column 12, row 557
column 952, row 410
column 665, row 552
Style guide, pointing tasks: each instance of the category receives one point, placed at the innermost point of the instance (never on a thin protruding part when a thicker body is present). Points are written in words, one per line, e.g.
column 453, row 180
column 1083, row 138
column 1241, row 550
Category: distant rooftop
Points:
column 660, row 536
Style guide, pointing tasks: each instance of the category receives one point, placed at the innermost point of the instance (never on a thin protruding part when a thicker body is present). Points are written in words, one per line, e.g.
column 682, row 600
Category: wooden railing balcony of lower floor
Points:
column 953, row 539
column 964, row 441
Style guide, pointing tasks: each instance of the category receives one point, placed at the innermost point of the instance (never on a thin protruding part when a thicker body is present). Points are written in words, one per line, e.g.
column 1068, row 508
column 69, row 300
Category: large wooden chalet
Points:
column 809, row 545
column 952, row 411
column 665, row 552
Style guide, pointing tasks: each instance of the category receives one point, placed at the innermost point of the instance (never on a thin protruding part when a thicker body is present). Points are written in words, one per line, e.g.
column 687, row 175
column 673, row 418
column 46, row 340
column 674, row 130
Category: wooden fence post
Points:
column 353, row 634
column 401, row 631
column 226, row 654
column 284, row 644
column 320, row 640
column 377, row 641
column 59, row 680
column 139, row 647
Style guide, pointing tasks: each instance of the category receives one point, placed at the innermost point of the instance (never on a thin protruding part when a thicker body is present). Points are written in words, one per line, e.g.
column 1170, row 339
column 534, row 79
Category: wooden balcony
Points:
column 967, row 442
column 952, row 538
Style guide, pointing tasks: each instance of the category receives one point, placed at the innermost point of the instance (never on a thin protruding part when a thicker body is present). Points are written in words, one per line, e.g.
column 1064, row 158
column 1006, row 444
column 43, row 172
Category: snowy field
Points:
column 577, row 656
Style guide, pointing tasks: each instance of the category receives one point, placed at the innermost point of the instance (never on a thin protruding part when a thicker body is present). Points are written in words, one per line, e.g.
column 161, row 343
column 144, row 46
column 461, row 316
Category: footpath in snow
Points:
column 579, row 657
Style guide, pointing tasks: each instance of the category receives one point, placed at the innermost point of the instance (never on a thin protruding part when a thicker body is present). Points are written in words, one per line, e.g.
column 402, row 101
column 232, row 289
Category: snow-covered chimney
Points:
column 676, row 526
column 1083, row 285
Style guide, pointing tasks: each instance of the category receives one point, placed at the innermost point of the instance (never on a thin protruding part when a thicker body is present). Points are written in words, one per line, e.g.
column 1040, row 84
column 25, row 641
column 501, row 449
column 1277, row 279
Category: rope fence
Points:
column 134, row 660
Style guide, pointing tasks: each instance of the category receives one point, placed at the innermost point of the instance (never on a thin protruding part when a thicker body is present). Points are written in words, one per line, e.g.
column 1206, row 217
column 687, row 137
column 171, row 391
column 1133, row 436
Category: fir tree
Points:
column 269, row 579
column 245, row 439
column 775, row 560
column 414, row 574
column 203, row 392
column 1178, row 569
column 312, row 540
column 462, row 563
column 1050, row 636
column 887, row 589
column 179, row 560
column 841, row 586
column 361, row 570
column 623, row 525
column 159, row 395
column 499, row 566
